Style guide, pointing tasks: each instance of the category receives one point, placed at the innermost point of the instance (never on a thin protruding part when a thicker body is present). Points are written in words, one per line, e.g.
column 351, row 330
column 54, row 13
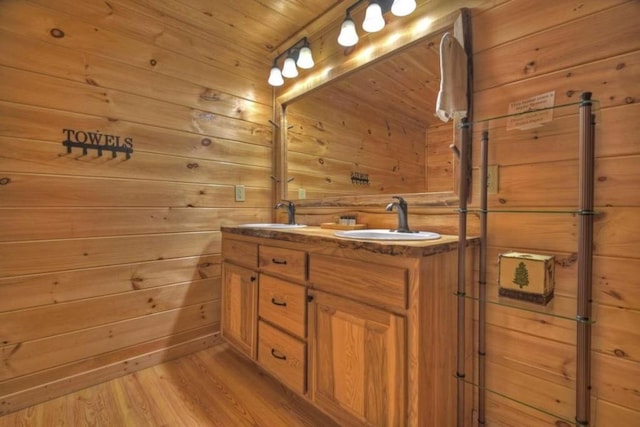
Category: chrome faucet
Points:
column 291, row 210
column 401, row 206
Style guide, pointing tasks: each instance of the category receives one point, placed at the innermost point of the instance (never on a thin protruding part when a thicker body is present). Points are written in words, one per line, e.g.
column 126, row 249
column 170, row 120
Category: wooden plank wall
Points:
column 334, row 136
column 523, row 49
column 108, row 265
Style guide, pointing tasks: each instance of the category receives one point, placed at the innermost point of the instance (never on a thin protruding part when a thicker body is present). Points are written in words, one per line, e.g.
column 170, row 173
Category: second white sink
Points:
column 376, row 234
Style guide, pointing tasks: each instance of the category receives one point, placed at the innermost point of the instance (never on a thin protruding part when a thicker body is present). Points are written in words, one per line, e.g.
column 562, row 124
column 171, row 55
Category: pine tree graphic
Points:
column 522, row 275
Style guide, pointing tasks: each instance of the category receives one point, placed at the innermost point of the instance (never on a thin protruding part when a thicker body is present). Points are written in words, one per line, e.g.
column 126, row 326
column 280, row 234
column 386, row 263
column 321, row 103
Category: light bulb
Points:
column 305, row 59
column 373, row 20
column 275, row 77
column 403, row 7
column 289, row 69
column 348, row 35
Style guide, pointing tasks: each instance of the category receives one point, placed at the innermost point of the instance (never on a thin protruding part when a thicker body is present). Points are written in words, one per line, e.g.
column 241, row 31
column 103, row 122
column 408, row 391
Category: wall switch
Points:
column 302, row 193
column 239, row 193
column 492, row 179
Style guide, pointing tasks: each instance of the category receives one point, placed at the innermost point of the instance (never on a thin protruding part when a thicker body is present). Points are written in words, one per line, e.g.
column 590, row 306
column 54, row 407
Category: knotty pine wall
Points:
column 521, row 49
column 332, row 137
column 526, row 48
column 110, row 264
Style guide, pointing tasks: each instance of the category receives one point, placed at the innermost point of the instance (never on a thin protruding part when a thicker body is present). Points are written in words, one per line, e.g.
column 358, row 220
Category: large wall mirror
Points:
column 372, row 132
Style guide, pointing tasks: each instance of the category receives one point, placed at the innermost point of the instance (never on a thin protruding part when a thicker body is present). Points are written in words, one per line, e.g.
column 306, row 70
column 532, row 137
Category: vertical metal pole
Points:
column 482, row 277
column 585, row 254
column 464, row 190
column 465, row 155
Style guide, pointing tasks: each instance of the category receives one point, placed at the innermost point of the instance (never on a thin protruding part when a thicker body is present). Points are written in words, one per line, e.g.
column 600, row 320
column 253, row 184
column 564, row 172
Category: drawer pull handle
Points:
column 253, row 278
column 276, row 302
column 279, row 261
column 277, row 354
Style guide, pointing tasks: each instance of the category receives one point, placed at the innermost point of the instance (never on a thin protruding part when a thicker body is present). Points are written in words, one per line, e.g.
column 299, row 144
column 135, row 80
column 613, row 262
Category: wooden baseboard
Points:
column 110, row 369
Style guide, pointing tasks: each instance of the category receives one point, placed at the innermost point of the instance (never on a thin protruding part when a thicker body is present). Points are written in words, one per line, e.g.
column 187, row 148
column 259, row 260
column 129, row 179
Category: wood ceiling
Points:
column 406, row 82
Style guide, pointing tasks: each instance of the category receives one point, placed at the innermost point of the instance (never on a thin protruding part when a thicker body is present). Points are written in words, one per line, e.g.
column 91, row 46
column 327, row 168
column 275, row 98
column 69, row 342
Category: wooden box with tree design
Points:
column 528, row 277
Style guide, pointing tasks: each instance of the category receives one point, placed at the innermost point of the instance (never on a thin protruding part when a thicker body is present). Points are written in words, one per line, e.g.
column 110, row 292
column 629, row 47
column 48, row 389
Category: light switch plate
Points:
column 239, row 193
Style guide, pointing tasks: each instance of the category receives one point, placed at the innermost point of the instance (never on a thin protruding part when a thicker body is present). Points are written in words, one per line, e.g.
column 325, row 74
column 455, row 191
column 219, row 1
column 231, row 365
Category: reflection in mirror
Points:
column 373, row 132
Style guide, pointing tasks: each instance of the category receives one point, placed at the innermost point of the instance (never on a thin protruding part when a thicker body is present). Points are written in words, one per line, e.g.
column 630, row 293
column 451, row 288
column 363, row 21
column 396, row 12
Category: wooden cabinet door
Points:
column 358, row 361
column 239, row 307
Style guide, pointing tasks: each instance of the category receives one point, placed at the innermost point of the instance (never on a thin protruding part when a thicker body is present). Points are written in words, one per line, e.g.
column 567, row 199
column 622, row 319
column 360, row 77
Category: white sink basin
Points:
column 272, row 225
column 387, row 235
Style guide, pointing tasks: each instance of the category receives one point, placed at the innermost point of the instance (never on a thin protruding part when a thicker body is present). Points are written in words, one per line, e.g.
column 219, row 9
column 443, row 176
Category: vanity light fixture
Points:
column 403, row 7
column 298, row 55
column 373, row 20
column 348, row 35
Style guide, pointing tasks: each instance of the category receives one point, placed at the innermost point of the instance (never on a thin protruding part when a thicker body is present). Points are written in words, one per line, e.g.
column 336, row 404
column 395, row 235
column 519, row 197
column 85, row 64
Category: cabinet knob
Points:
column 253, row 278
column 309, row 298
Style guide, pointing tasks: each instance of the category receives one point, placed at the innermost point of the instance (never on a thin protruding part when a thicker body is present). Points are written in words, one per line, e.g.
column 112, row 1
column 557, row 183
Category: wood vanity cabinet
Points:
column 239, row 295
column 358, row 370
column 365, row 331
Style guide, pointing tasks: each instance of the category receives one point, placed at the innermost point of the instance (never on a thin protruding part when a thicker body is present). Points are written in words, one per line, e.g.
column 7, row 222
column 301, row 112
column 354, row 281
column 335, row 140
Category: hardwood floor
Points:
column 214, row 387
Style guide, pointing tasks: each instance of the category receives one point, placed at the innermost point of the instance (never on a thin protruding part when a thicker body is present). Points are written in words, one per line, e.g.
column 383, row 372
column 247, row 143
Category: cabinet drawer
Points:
column 283, row 356
column 283, row 304
column 287, row 262
column 381, row 285
column 245, row 253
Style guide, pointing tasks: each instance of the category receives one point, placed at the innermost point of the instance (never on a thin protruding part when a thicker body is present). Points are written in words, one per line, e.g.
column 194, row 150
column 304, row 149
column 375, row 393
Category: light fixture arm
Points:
column 293, row 49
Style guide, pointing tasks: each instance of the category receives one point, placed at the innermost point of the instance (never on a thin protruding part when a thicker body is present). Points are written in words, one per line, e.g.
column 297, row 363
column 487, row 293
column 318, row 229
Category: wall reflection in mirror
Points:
column 373, row 132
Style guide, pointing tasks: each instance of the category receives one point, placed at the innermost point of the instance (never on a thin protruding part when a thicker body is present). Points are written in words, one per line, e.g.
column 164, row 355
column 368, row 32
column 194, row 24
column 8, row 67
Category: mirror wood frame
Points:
column 378, row 52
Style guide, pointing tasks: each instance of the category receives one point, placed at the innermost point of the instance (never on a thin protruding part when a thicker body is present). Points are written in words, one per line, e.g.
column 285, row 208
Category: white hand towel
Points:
column 452, row 98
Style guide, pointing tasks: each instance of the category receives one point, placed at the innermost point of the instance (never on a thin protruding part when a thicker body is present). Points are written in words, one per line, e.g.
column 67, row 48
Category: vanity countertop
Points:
column 314, row 235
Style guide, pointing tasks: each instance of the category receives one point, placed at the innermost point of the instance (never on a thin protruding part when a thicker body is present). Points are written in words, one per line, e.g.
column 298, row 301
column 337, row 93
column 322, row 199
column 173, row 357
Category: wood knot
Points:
column 5, row 181
column 502, row 201
column 321, row 161
column 619, row 353
column 629, row 100
column 530, row 67
column 602, row 178
column 209, row 95
column 206, row 142
column 57, row 33
column 192, row 165
column 620, row 66
column 153, row 62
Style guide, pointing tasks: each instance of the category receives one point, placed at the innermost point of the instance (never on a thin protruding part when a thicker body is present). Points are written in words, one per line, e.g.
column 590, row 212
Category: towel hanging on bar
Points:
column 452, row 97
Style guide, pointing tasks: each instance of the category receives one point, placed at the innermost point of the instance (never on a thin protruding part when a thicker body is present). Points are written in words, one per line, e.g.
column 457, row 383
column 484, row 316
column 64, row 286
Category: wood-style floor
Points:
column 214, row 387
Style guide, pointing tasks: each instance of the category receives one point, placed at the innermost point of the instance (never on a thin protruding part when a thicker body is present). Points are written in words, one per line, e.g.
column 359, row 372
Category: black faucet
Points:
column 401, row 205
column 291, row 210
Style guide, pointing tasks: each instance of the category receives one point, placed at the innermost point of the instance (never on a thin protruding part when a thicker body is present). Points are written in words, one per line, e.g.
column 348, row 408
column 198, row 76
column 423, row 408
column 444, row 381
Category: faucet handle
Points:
column 401, row 201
